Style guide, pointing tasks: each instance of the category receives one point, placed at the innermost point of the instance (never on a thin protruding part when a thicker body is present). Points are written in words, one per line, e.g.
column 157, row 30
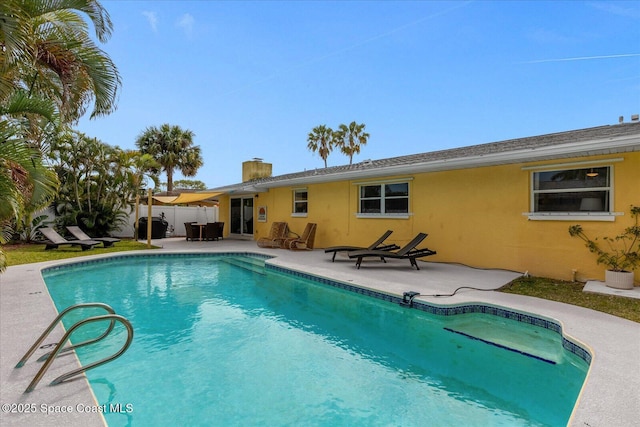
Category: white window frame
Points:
column 295, row 201
column 572, row 215
column 382, row 198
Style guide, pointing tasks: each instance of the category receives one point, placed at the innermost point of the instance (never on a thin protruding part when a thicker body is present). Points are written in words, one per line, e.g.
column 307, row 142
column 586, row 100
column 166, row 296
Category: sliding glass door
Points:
column 242, row 216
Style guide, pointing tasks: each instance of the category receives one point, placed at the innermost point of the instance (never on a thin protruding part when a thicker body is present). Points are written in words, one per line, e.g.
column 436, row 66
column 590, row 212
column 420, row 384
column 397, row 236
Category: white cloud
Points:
column 582, row 58
column 153, row 20
column 186, row 22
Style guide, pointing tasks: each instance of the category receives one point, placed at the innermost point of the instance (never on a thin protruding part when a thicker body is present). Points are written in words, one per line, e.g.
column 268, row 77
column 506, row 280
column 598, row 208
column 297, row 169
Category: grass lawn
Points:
column 28, row 253
column 571, row 293
column 555, row 290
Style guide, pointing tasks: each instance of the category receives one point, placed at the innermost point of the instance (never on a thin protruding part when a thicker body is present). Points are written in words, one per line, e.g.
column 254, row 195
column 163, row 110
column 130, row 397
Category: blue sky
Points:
column 252, row 79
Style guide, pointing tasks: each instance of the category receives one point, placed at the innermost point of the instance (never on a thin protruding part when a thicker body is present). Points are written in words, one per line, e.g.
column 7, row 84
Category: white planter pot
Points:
column 619, row 279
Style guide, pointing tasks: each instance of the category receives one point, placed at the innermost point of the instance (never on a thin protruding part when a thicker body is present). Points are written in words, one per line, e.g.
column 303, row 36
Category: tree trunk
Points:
column 169, row 180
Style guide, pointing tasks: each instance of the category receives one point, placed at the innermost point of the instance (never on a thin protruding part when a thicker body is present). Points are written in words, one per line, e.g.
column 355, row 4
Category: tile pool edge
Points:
column 150, row 255
column 569, row 344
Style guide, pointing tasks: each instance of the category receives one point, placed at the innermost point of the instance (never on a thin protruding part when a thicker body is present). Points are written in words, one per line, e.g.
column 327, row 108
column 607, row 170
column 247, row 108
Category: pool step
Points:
column 504, row 347
column 255, row 265
column 537, row 343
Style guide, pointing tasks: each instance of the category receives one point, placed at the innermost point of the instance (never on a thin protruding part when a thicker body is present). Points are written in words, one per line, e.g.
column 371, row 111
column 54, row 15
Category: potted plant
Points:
column 622, row 254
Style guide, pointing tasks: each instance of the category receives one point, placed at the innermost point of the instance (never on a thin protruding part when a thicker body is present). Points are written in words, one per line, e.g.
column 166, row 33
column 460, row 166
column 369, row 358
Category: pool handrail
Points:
column 82, row 369
column 57, row 320
column 51, row 356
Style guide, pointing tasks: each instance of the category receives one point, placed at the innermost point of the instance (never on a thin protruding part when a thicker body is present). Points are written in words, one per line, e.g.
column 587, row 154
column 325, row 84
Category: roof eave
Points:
column 578, row 149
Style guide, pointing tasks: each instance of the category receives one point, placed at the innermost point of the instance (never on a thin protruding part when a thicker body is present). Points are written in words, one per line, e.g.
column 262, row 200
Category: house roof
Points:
column 610, row 139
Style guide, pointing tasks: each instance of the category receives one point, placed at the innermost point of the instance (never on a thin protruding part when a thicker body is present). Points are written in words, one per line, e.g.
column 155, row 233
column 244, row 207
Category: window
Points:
column 300, row 201
column 389, row 199
column 572, row 190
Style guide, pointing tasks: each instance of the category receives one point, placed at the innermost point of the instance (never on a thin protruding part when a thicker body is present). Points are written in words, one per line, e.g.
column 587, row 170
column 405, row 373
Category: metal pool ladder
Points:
column 48, row 358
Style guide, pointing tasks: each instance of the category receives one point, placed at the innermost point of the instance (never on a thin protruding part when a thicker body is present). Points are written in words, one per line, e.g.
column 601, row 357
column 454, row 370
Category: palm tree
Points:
column 26, row 185
column 320, row 139
column 173, row 149
column 47, row 53
column 140, row 167
column 100, row 183
column 50, row 72
column 350, row 139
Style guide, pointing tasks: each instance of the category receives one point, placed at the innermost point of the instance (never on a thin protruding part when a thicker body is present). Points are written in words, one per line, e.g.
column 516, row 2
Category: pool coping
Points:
column 610, row 396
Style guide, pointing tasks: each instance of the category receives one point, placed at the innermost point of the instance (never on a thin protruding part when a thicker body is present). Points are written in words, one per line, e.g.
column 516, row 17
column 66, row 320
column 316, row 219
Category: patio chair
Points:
column 409, row 252
column 377, row 245
column 54, row 240
column 193, row 232
column 213, row 230
column 81, row 235
column 305, row 241
column 278, row 233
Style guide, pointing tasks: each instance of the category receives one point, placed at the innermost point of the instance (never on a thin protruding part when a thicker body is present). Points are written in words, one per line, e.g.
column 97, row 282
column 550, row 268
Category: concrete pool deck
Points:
column 610, row 397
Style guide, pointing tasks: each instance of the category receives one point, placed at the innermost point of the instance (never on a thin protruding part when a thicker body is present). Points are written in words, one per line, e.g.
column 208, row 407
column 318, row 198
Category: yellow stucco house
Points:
column 506, row 204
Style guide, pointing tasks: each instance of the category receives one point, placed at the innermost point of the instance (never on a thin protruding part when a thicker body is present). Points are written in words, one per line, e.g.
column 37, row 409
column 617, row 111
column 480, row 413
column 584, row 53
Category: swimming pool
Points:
column 221, row 344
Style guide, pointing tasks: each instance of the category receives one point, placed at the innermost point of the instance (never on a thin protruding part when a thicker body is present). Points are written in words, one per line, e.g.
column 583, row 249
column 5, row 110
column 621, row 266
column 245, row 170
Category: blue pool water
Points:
column 217, row 344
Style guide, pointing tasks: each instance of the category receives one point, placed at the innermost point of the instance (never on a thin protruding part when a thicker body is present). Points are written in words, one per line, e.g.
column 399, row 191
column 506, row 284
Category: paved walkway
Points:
column 610, row 397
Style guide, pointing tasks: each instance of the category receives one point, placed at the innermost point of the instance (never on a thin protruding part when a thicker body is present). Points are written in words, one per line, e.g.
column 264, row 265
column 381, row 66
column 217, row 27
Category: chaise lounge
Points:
column 279, row 233
column 302, row 242
column 377, row 245
column 81, row 235
column 409, row 252
column 55, row 240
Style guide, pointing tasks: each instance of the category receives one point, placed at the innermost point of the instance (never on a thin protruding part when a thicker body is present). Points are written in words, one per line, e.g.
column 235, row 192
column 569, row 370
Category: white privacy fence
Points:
column 176, row 216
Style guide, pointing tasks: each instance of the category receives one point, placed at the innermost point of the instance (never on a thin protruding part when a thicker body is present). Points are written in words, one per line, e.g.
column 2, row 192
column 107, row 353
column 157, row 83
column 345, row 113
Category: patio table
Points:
column 201, row 226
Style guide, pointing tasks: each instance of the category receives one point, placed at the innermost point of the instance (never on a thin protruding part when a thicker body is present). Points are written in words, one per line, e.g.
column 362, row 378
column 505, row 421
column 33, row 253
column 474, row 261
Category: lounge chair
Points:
column 81, row 235
column 54, row 240
column 377, row 245
column 409, row 252
column 305, row 241
column 278, row 233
